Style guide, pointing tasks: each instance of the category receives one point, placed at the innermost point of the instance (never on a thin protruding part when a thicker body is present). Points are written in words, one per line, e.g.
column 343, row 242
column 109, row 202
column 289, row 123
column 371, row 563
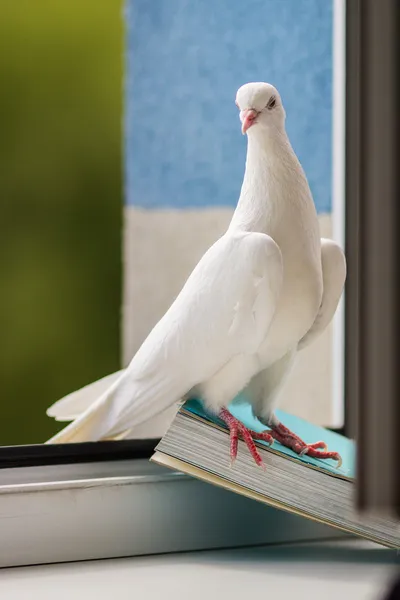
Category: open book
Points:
column 198, row 444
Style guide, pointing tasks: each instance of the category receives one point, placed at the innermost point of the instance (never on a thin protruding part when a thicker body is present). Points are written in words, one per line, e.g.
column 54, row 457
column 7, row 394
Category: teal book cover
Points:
column 309, row 432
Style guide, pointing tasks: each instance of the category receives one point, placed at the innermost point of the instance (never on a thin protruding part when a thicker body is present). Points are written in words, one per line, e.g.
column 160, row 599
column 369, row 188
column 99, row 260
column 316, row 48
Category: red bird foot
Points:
column 237, row 428
column 287, row 438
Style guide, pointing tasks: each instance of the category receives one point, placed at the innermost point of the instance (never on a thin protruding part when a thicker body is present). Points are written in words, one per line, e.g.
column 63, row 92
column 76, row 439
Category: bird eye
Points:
column 271, row 103
column 236, row 103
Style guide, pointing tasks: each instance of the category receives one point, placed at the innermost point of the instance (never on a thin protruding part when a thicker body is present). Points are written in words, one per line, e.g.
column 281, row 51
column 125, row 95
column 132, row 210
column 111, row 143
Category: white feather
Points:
column 74, row 404
column 224, row 310
column 334, row 276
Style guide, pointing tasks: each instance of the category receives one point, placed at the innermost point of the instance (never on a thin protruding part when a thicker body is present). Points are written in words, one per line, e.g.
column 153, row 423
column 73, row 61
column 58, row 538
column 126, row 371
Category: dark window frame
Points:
column 372, row 246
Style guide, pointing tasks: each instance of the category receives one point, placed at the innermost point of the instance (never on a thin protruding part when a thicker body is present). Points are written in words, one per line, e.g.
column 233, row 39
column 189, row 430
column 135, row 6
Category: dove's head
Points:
column 260, row 107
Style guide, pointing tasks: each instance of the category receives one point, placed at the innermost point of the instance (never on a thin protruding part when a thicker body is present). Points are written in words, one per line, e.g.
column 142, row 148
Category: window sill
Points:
column 89, row 511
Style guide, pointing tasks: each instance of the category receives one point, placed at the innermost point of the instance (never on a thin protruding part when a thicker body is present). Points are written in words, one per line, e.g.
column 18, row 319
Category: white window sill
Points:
column 130, row 508
column 356, row 570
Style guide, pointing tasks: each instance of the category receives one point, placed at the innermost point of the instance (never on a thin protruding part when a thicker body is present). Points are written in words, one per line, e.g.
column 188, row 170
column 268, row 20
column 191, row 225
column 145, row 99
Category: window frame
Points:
column 372, row 380
column 37, row 455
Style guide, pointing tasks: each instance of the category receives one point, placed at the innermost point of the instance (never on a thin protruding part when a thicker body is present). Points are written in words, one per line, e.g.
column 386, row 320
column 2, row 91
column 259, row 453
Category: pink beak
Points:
column 248, row 116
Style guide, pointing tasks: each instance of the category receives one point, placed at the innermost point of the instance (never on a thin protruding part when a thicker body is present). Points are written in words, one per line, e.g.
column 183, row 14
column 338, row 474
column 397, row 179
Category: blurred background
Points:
column 61, row 201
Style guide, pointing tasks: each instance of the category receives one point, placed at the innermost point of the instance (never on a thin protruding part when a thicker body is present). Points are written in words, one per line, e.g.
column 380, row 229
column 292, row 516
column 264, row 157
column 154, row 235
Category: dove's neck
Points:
column 275, row 189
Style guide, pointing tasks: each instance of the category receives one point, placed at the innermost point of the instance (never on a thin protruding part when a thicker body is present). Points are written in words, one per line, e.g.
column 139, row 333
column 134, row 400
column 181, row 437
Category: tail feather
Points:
column 73, row 405
column 126, row 407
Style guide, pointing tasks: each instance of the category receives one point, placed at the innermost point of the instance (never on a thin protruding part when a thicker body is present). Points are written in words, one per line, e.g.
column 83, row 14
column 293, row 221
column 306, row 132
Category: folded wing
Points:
column 334, row 275
column 224, row 309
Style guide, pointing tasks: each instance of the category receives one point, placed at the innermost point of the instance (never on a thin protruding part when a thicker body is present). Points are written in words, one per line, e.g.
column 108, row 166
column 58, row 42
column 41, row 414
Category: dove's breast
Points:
column 276, row 200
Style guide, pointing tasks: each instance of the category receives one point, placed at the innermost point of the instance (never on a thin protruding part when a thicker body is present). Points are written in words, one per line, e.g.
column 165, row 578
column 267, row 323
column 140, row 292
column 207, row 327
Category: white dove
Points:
column 266, row 289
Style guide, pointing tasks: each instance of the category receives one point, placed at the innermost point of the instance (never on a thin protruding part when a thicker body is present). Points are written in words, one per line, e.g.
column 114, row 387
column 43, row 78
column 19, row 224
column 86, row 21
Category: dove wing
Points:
column 334, row 275
column 224, row 309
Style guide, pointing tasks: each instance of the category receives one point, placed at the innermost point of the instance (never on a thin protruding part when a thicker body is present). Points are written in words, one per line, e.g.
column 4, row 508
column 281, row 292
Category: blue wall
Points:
column 186, row 59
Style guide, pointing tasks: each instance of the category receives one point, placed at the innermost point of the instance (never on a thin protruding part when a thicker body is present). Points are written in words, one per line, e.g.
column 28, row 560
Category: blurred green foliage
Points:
column 61, row 204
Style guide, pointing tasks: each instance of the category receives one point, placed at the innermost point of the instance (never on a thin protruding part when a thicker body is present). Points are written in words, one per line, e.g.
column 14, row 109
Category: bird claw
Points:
column 339, row 460
column 265, row 436
column 318, row 450
column 315, row 446
column 319, row 446
column 236, row 427
column 313, row 452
